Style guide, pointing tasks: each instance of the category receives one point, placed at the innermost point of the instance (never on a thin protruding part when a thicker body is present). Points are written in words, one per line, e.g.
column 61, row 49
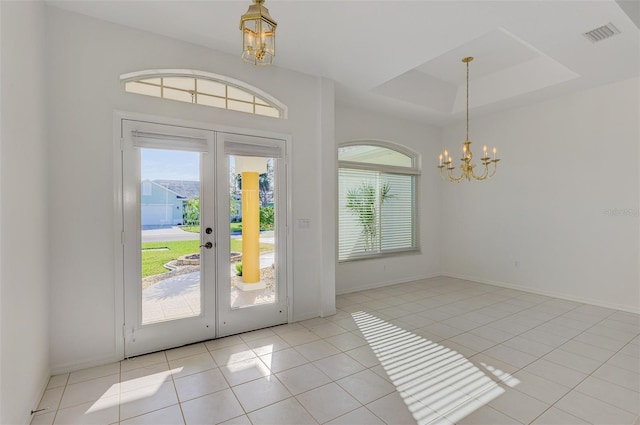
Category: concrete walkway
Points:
column 168, row 234
column 174, row 298
column 178, row 297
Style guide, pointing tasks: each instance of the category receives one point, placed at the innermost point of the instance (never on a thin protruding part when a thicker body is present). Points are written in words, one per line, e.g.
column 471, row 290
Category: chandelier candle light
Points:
column 258, row 35
column 467, row 167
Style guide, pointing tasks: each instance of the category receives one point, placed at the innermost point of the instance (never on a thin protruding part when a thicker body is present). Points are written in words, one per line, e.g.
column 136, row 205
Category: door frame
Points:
column 118, row 206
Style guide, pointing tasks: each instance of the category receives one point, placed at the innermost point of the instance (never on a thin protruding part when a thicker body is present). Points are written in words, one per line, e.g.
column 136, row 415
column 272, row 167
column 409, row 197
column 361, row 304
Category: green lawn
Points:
column 192, row 229
column 153, row 261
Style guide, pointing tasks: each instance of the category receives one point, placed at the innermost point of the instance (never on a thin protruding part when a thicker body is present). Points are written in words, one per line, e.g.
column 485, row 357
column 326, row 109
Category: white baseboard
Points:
column 554, row 294
column 44, row 381
column 307, row 316
column 386, row 283
column 72, row 367
column 328, row 313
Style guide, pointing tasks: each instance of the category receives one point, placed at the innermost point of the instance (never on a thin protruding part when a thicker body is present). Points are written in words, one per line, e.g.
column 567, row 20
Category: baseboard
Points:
column 554, row 294
column 72, row 367
column 386, row 283
column 328, row 313
column 306, row 316
column 28, row 417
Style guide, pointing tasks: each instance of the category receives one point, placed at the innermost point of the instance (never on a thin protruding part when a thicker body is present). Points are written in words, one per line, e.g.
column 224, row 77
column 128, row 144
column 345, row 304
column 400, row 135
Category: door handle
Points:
column 208, row 245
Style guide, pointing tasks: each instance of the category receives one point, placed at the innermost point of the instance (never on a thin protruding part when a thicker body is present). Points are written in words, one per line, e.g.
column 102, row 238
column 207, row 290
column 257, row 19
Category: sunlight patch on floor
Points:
column 437, row 384
column 132, row 390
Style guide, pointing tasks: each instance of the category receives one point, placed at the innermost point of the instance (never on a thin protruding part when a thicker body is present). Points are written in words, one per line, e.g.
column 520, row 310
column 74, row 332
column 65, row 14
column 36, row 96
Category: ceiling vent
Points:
column 602, row 33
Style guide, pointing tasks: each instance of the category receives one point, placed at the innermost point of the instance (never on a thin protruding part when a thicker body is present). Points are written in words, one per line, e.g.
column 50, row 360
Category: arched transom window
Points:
column 204, row 88
column 376, row 199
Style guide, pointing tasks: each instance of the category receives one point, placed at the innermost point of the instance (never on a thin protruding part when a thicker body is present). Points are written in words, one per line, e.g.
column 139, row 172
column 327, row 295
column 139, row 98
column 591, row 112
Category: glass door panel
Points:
column 252, row 227
column 251, row 233
column 170, row 234
column 169, row 263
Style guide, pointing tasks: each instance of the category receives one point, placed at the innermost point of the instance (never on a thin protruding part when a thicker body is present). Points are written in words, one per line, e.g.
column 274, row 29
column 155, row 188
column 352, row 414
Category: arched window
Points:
column 204, row 88
column 376, row 199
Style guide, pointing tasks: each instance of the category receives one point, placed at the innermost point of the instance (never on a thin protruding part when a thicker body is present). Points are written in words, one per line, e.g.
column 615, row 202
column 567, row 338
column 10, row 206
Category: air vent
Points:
column 601, row 33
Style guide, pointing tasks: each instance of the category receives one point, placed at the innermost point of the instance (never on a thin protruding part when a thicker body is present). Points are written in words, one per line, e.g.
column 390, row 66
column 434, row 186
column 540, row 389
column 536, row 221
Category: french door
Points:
column 203, row 255
column 246, row 303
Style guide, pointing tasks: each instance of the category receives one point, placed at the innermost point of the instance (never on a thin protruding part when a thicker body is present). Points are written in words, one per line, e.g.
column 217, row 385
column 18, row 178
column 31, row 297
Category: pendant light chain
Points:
column 467, row 101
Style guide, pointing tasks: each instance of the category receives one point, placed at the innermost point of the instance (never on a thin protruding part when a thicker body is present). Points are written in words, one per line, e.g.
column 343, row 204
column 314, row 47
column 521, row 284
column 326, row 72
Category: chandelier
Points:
column 467, row 167
column 258, row 35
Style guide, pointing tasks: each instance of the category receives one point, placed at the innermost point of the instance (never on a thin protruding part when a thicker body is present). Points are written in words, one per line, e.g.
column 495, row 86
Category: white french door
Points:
column 167, row 308
column 241, row 307
column 184, row 232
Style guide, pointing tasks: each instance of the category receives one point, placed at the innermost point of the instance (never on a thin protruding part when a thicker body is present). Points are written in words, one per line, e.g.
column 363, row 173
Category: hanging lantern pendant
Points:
column 258, row 35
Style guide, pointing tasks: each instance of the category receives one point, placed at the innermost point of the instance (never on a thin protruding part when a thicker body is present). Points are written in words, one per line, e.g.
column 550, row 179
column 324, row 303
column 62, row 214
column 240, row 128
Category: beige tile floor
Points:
column 440, row 351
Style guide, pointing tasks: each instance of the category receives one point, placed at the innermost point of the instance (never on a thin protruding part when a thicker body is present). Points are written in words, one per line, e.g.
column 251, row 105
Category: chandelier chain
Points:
column 467, row 101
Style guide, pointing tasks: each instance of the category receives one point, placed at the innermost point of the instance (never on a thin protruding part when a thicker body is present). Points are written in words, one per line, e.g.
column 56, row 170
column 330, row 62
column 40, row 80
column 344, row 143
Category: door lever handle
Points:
column 208, row 245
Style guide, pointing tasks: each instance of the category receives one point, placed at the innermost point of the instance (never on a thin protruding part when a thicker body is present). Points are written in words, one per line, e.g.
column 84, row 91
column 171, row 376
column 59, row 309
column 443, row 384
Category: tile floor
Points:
column 440, row 351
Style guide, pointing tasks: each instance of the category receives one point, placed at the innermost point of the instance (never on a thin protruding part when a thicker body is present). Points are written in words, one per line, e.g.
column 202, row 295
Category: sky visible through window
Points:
column 169, row 165
column 158, row 164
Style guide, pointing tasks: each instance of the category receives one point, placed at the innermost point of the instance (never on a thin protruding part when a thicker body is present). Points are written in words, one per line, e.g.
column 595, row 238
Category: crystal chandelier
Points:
column 467, row 167
column 258, row 35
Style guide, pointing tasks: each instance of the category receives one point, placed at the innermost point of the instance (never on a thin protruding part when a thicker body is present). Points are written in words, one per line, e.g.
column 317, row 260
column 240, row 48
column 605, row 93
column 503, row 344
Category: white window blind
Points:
column 145, row 139
column 376, row 213
column 248, row 149
column 398, row 213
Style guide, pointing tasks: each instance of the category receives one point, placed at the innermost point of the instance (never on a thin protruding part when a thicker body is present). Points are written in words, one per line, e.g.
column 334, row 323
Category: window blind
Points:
column 249, row 149
column 145, row 139
column 375, row 213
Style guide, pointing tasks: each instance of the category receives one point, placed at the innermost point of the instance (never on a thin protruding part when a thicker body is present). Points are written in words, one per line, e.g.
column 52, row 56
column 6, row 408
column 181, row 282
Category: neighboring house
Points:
column 162, row 201
column 188, row 188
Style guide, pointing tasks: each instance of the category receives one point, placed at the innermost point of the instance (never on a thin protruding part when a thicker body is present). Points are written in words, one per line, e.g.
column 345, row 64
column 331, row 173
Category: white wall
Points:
column 87, row 57
column 327, row 188
column 24, row 236
column 352, row 124
column 541, row 224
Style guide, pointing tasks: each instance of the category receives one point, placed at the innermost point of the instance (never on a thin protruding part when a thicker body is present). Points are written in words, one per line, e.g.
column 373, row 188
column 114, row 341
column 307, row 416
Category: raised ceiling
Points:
column 404, row 57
